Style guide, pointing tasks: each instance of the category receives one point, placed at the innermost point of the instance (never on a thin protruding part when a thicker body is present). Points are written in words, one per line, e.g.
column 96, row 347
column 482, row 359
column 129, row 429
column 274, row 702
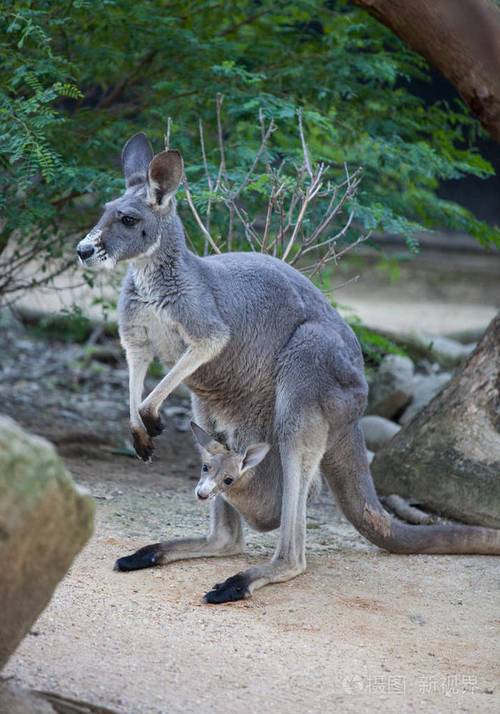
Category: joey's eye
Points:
column 228, row 480
column 128, row 221
column 204, row 468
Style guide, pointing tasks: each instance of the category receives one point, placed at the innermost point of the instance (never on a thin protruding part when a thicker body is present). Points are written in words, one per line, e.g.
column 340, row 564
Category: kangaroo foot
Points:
column 234, row 588
column 147, row 557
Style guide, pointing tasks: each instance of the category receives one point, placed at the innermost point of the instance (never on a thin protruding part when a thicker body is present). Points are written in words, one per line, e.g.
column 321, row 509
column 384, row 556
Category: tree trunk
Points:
column 459, row 37
column 448, row 457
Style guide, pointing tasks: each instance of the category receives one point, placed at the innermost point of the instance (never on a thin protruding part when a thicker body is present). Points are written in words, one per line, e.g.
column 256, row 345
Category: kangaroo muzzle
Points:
column 85, row 251
column 92, row 252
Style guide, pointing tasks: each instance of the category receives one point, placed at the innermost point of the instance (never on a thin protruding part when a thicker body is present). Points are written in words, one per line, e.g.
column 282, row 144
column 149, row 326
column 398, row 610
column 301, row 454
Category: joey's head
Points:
column 131, row 225
column 222, row 468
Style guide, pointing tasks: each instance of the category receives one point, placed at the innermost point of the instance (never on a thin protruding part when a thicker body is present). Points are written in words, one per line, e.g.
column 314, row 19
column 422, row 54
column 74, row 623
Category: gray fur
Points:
column 267, row 359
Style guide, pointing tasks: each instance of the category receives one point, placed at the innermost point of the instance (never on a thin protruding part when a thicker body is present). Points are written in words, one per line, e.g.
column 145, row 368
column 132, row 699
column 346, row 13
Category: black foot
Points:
column 147, row 557
column 153, row 424
column 234, row 588
column 143, row 445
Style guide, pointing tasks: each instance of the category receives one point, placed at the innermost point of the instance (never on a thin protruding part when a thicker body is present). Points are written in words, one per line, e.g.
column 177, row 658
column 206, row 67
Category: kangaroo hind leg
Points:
column 225, row 537
column 301, row 450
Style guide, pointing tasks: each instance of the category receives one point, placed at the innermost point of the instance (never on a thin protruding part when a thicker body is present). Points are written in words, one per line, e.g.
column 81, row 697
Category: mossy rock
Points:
column 45, row 519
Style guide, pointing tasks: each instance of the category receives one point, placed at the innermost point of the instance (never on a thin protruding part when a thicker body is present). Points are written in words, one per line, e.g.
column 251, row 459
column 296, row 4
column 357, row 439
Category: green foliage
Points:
column 374, row 345
column 67, row 326
column 78, row 78
column 156, row 370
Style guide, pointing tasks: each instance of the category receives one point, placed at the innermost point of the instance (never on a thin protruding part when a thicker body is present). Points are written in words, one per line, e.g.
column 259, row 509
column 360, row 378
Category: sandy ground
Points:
column 361, row 631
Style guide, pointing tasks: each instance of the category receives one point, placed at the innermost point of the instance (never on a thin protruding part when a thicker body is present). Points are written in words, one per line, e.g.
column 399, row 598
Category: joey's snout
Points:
column 205, row 489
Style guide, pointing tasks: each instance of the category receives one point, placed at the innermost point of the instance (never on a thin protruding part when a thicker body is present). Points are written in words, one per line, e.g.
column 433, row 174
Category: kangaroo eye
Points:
column 228, row 480
column 204, row 468
column 128, row 221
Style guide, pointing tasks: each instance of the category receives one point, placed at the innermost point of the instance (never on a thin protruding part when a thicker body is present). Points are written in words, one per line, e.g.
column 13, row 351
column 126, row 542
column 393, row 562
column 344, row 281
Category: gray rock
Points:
column 425, row 388
column 472, row 334
column 391, row 389
column 378, row 431
column 424, row 366
column 44, row 521
column 448, row 352
column 448, row 456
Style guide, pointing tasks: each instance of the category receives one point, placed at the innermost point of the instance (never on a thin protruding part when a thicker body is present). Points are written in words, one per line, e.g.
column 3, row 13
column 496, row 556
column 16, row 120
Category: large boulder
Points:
column 448, row 456
column 44, row 521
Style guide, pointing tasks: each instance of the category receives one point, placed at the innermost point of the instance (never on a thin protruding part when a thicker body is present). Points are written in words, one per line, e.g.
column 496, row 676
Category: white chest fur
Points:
column 163, row 334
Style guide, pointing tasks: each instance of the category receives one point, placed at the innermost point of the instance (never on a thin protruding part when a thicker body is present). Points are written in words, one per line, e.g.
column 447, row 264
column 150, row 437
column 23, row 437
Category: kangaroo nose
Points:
column 201, row 496
column 85, row 251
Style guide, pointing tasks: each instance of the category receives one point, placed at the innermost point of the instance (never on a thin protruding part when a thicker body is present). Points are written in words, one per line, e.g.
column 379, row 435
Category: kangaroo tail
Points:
column 346, row 468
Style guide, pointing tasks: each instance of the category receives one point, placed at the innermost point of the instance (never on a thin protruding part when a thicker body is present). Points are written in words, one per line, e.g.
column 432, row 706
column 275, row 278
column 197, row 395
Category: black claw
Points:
column 144, row 448
column 145, row 456
column 153, row 424
column 234, row 588
column 147, row 557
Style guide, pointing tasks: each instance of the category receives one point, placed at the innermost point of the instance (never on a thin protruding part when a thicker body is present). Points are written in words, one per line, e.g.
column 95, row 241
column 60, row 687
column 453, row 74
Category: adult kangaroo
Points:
column 267, row 359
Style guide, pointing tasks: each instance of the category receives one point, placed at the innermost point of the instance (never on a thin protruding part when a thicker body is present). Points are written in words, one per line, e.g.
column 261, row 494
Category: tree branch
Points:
column 460, row 38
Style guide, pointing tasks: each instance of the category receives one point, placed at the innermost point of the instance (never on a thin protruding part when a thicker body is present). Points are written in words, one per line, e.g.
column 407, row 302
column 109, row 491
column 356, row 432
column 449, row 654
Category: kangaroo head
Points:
column 223, row 468
column 130, row 226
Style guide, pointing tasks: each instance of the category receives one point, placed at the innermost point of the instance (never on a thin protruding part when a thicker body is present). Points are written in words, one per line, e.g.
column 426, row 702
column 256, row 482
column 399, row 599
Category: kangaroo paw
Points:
column 152, row 423
column 147, row 557
column 234, row 588
column 143, row 444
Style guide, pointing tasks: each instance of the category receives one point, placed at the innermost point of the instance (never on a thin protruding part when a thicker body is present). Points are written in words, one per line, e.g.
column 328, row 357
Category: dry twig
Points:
column 307, row 213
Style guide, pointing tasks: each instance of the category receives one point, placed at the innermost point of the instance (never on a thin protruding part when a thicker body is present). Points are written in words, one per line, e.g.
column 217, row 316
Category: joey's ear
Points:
column 206, row 441
column 136, row 157
column 164, row 176
column 253, row 456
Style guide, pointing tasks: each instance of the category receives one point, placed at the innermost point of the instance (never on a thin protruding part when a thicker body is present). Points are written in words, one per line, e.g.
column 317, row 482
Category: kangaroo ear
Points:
column 206, row 441
column 136, row 157
column 253, row 456
column 164, row 176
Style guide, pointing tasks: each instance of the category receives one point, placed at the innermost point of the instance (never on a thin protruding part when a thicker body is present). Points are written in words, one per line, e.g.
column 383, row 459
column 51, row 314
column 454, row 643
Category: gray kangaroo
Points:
column 267, row 359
